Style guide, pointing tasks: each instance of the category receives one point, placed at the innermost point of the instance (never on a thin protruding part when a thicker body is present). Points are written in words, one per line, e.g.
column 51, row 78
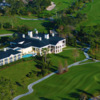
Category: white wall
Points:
column 26, row 50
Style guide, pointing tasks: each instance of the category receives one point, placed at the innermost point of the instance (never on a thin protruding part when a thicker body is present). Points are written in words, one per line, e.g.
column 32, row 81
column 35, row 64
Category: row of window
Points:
column 10, row 60
column 58, row 50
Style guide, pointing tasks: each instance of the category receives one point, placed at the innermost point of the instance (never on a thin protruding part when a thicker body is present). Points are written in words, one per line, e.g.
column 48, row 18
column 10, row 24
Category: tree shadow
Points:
column 98, row 82
column 17, row 83
column 53, row 68
column 13, row 31
column 43, row 98
column 61, row 56
column 82, row 91
column 98, row 90
column 64, row 98
column 4, row 39
column 74, row 95
column 48, row 25
column 66, row 2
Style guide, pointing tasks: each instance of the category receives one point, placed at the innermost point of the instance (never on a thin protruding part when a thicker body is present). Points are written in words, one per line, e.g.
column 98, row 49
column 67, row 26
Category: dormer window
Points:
column 21, row 42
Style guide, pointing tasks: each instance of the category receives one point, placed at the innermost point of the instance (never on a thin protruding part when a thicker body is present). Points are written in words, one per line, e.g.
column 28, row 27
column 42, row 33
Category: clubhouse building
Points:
column 32, row 43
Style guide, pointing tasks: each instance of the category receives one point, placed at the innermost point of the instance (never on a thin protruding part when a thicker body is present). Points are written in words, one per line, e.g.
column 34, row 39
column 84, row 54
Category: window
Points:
column 14, row 58
column 63, row 41
column 19, row 56
column 1, row 62
column 11, row 59
column 6, row 61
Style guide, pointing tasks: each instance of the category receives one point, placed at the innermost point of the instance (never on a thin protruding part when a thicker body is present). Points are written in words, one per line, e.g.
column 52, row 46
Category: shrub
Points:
column 7, row 25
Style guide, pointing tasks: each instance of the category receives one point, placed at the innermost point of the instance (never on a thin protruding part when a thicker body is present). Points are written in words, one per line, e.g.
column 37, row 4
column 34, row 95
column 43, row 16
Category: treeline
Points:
column 69, row 19
column 8, row 88
column 6, row 25
column 21, row 8
column 90, row 35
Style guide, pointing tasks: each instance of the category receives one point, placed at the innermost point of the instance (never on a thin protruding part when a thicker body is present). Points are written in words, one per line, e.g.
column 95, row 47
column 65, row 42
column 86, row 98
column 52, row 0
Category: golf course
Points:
column 69, row 86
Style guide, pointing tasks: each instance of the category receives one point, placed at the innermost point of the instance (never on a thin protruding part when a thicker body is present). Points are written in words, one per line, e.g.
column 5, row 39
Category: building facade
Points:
column 9, row 56
column 35, row 42
column 32, row 43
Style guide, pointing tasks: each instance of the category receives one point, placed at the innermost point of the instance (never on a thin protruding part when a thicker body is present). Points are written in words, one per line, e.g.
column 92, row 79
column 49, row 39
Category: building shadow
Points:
column 43, row 98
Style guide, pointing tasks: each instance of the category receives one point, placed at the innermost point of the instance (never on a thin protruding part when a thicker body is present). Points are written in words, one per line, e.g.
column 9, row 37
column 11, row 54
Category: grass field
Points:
column 15, row 21
column 69, row 86
column 18, row 71
column 92, row 10
column 62, row 4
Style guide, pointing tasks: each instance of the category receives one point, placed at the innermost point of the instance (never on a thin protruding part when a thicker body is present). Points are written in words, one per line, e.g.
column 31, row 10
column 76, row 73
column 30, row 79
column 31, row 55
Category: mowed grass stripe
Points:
column 78, row 78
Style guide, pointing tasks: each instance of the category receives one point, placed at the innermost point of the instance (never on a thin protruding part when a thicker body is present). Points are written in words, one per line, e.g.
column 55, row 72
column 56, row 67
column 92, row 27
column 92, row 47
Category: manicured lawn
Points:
column 32, row 24
column 93, row 12
column 66, row 55
column 18, row 72
column 88, row 61
column 69, row 86
column 62, row 4
column 5, row 31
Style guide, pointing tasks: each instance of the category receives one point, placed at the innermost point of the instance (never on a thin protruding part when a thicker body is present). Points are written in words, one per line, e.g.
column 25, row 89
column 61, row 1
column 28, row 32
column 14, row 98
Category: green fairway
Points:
column 18, row 72
column 62, row 4
column 15, row 21
column 92, row 10
column 69, row 86
column 66, row 55
column 6, row 31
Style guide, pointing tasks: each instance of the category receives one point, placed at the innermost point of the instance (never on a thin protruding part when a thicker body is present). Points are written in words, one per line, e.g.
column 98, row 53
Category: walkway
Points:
column 30, row 89
column 50, row 18
column 2, row 35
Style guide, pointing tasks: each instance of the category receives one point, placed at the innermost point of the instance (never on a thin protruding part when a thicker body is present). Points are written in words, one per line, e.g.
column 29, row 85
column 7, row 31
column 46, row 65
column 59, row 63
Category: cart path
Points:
column 30, row 89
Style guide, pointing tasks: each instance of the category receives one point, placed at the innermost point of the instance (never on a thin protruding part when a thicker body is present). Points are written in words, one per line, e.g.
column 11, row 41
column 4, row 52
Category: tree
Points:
column 83, row 96
column 43, row 65
column 23, row 29
column 75, row 54
column 7, row 25
column 60, row 68
column 66, row 66
column 44, row 53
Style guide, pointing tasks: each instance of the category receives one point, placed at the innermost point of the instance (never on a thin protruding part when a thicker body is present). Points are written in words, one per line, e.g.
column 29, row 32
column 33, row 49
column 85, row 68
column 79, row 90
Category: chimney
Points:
column 36, row 31
column 46, row 36
column 23, row 35
column 53, row 34
column 5, row 49
column 40, row 38
column 30, row 34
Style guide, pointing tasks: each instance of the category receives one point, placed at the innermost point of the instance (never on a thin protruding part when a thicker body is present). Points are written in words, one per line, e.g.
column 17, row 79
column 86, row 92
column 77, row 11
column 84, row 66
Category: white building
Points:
column 32, row 43
column 8, row 56
column 37, row 41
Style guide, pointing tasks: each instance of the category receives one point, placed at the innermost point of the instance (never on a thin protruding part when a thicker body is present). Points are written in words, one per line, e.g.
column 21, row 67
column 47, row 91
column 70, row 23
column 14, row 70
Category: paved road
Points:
column 2, row 35
column 30, row 89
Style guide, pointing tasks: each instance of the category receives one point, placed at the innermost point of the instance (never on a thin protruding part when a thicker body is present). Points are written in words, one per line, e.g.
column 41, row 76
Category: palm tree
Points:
column 45, row 52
